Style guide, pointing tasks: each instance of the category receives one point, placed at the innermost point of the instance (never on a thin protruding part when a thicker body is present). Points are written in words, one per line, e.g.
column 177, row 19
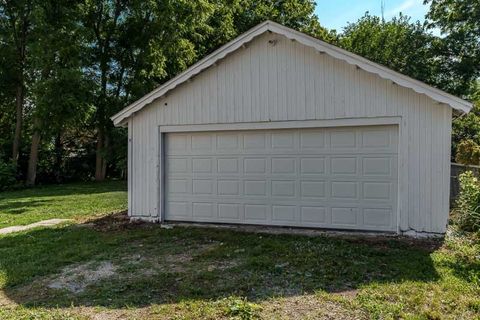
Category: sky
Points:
column 334, row 14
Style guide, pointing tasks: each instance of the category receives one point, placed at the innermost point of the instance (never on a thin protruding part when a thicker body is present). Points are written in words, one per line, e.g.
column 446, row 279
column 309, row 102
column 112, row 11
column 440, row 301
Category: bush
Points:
column 7, row 175
column 240, row 308
column 467, row 213
column 468, row 152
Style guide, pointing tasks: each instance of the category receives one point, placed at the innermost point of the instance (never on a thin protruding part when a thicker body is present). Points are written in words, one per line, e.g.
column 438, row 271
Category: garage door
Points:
column 342, row 178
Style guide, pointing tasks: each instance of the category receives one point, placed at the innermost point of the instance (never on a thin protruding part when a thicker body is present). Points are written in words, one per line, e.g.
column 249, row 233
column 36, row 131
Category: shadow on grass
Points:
column 19, row 207
column 65, row 190
column 155, row 265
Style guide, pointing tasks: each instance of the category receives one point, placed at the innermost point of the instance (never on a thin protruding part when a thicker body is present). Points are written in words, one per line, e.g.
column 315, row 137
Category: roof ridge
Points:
column 319, row 45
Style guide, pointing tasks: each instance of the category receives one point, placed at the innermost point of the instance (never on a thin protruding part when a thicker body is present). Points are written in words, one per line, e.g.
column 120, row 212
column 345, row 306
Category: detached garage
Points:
column 279, row 128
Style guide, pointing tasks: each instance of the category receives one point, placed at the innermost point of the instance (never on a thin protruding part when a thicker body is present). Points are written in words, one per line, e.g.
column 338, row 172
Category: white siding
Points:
column 290, row 81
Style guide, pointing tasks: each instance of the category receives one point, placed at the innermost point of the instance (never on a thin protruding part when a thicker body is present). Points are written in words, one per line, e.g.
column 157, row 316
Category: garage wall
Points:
column 276, row 79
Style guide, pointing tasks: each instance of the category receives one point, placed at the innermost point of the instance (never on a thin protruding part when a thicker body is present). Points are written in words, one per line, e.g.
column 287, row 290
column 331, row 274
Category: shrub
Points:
column 468, row 152
column 7, row 175
column 467, row 213
column 240, row 308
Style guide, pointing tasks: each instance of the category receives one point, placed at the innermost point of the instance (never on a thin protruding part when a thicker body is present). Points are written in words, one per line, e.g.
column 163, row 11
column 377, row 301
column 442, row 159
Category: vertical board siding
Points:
column 282, row 80
column 144, row 166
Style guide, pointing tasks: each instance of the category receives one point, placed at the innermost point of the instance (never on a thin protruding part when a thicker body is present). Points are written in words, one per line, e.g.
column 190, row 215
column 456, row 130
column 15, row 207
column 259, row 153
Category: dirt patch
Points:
column 76, row 279
column 174, row 263
column 114, row 222
column 222, row 265
column 95, row 313
column 182, row 262
column 347, row 294
column 5, row 301
column 306, row 307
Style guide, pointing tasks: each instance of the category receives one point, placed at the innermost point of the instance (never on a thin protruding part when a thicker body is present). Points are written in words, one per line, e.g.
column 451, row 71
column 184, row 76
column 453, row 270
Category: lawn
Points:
column 69, row 201
column 108, row 268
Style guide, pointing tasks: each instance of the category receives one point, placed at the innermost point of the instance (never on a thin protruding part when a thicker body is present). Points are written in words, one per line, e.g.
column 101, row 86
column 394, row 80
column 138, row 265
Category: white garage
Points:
column 278, row 128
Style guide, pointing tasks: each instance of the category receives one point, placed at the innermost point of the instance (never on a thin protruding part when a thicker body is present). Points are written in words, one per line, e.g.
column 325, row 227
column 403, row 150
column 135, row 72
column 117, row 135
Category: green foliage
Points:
column 7, row 175
column 467, row 213
column 240, row 308
column 459, row 50
column 466, row 130
column 399, row 44
column 85, row 60
column 468, row 152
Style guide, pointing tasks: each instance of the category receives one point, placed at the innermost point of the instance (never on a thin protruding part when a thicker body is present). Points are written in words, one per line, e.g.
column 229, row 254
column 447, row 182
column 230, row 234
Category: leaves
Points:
column 459, row 22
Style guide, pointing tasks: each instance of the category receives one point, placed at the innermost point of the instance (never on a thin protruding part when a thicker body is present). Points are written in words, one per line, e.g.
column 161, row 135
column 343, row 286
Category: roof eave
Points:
column 336, row 52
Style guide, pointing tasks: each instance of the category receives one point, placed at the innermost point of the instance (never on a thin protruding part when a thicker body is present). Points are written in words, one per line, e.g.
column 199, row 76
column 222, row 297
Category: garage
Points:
column 331, row 178
column 277, row 128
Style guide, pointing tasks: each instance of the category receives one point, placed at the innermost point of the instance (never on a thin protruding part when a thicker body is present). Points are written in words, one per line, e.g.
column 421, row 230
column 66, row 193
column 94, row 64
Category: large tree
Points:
column 399, row 44
column 459, row 22
column 15, row 37
column 58, row 87
column 133, row 45
column 136, row 45
column 67, row 66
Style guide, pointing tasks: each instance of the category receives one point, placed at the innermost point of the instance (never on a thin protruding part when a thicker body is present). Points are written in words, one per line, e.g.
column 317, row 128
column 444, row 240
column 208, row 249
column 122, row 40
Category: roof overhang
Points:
column 321, row 46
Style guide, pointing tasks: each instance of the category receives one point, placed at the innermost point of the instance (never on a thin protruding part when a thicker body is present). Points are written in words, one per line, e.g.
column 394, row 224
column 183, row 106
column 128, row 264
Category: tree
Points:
column 58, row 89
column 459, row 21
column 15, row 28
column 398, row 44
column 129, row 44
column 82, row 61
column 234, row 17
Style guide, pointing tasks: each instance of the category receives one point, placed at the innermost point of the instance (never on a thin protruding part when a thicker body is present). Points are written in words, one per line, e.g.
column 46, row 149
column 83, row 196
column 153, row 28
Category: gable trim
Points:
column 321, row 46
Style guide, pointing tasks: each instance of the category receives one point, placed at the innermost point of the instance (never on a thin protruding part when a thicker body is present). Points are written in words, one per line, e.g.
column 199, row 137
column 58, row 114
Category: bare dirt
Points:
column 77, row 278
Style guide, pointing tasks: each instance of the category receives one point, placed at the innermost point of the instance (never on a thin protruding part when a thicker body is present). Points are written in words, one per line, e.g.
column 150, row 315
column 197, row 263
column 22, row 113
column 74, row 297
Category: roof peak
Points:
column 319, row 45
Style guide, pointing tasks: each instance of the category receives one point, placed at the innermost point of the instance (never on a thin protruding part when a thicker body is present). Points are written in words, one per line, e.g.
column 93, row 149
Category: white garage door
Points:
column 342, row 178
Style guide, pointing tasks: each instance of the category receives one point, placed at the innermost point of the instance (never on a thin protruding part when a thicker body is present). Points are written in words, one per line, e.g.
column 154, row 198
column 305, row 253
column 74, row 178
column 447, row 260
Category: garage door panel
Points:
column 203, row 210
column 313, row 165
column 313, row 214
column 257, row 212
column 228, row 165
column 330, row 178
column 312, row 139
column 344, row 216
column 343, row 139
column 343, row 165
column 227, row 142
column 377, row 217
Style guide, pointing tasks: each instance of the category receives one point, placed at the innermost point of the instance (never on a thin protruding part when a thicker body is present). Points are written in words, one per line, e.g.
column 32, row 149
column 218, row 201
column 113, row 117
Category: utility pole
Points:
column 382, row 8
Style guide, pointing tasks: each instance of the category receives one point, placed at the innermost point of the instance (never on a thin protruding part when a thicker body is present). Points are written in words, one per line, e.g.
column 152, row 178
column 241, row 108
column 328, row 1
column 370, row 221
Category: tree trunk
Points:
column 33, row 160
column 100, row 162
column 18, row 126
column 104, row 163
column 58, row 158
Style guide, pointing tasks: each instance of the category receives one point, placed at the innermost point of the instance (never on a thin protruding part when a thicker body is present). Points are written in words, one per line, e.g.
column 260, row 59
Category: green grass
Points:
column 70, row 201
column 212, row 273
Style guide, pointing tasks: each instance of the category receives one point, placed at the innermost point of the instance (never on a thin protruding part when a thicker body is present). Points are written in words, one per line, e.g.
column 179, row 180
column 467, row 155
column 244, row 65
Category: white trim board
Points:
column 350, row 122
column 321, row 46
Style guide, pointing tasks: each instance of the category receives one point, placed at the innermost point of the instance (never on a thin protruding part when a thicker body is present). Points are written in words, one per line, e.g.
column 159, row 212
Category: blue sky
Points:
column 334, row 14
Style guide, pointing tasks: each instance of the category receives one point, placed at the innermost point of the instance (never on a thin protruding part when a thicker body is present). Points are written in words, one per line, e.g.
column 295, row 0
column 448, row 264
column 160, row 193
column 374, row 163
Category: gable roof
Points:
column 321, row 46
